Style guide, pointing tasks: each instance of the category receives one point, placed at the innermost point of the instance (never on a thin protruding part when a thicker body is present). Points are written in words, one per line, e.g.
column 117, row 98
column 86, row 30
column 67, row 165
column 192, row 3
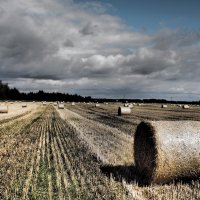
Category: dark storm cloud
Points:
column 21, row 45
column 172, row 39
column 89, row 29
column 68, row 43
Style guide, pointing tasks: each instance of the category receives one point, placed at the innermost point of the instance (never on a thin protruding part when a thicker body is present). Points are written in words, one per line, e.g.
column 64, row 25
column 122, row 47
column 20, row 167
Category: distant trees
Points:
column 4, row 90
column 7, row 93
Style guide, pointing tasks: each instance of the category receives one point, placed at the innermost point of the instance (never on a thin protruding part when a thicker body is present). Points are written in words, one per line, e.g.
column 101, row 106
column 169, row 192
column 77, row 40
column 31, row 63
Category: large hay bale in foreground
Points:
column 124, row 111
column 3, row 109
column 167, row 150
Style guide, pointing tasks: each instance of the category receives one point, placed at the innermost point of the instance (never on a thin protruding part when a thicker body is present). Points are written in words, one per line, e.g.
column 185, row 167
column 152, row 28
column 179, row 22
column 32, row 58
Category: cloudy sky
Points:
column 102, row 48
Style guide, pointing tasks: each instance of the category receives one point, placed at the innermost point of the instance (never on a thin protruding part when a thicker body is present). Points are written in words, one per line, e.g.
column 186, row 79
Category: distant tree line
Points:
column 101, row 100
column 7, row 93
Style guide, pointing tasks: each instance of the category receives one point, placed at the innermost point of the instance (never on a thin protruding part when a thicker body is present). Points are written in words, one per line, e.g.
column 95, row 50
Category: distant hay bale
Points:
column 44, row 103
column 3, row 109
column 55, row 104
column 126, row 105
column 61, row 106
column 185, row 106
column 97, row 105
column 124, row 111
column 73, row 104
column 164, row 106
column 139, row 104
column 167, row 150
column 130, row 105
column 24, row 105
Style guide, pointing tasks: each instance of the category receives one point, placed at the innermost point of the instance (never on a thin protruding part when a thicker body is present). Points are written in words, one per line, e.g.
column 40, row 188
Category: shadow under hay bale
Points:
column 120, row 172
column 130, row 174
column 165, row 151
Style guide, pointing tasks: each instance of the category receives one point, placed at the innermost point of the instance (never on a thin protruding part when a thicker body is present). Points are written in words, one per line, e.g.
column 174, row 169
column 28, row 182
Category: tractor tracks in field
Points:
column 110, row 144
column 113, row 147
column 108, row 117
column 54, row 163
column 16, row 144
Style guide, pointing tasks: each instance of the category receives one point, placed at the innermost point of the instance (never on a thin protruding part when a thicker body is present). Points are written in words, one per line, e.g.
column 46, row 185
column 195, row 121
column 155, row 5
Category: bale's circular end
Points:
column 145, row 151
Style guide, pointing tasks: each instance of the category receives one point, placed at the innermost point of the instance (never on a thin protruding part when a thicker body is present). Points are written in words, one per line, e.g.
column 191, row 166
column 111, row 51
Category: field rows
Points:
column 90, row 115
column 53, row 164
column 80, row 152
column 107, row 142
column 15, row 110
column 107, row 114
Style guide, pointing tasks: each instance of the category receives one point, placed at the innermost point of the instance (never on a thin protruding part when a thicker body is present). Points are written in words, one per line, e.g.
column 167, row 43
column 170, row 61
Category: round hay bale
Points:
column 73, row 104
column 24, row 105
column 164, row 106
column 185, row 106
column 124, row 111
column 167, row 150
column 97, row 105
column 130, row 105
column 61, row 106
column 3, row 109
column 126, row 105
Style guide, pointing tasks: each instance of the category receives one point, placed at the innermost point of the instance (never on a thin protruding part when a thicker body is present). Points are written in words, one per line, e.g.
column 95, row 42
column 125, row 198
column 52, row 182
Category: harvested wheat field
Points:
column 87, row 152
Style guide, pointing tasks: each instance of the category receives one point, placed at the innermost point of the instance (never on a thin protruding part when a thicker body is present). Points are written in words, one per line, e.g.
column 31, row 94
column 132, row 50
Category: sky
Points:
column 102, row 48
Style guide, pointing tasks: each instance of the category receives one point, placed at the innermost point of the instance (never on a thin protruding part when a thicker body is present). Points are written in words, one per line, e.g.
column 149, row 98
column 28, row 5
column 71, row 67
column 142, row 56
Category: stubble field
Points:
column 81, row 152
